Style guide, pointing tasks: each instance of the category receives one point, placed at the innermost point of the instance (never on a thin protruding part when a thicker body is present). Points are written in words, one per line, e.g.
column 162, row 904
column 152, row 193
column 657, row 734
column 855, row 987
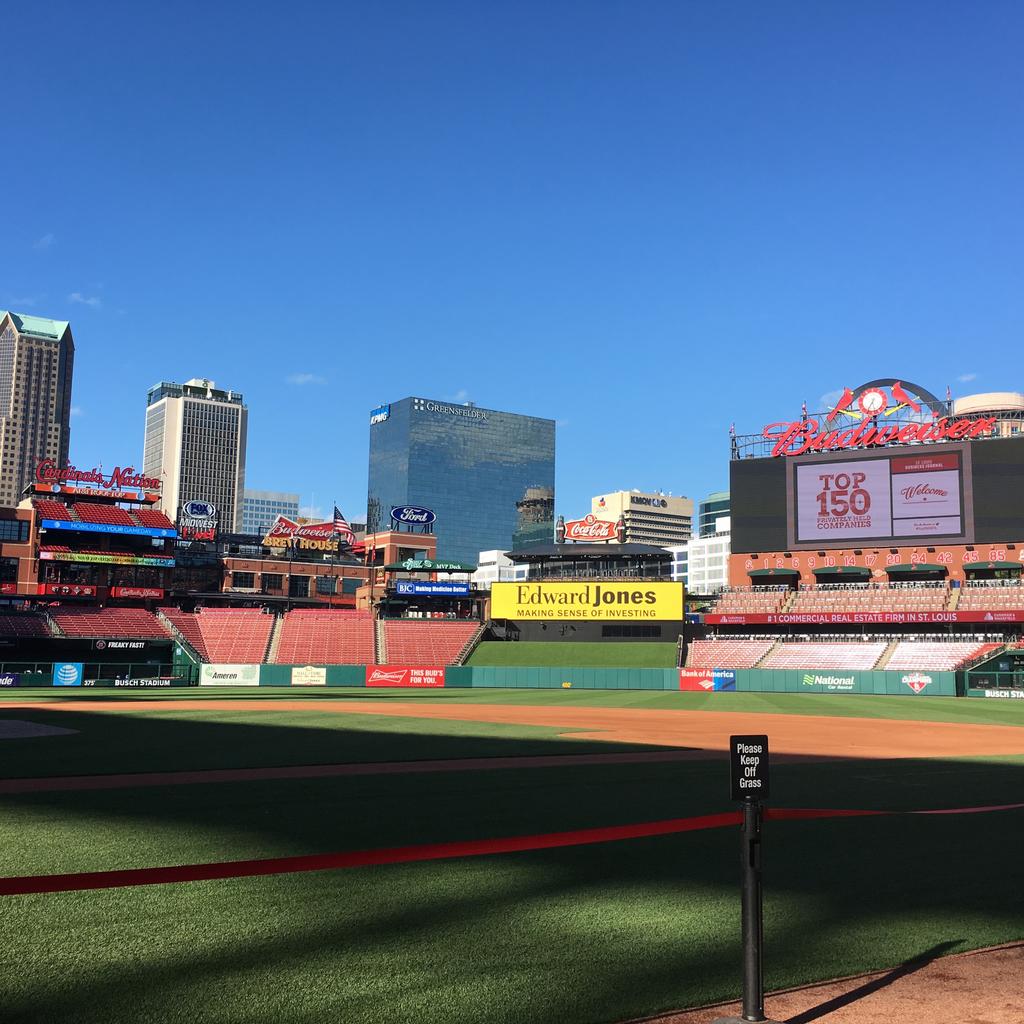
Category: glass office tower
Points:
column 471, row 466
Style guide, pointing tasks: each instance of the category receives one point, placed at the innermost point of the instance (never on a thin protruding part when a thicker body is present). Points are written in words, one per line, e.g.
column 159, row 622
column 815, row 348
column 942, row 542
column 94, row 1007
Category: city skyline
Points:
column 647, row 228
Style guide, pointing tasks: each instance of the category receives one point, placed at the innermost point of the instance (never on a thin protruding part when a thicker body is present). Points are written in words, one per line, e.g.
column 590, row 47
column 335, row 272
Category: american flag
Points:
column 342, row 529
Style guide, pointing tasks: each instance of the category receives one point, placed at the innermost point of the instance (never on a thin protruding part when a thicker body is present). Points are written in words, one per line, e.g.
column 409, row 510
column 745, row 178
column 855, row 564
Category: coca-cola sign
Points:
column 863, row 418
column 589, row 528
column 48, row 472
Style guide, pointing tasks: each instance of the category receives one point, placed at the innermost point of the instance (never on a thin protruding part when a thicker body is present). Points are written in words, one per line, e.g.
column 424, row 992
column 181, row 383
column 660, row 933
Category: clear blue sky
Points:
column 645, row 220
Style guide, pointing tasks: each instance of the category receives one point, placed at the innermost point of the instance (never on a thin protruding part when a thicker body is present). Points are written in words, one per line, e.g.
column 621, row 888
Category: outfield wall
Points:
column 927, row 684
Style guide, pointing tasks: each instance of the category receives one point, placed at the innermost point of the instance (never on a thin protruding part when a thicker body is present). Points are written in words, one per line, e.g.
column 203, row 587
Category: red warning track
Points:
column 411, row 854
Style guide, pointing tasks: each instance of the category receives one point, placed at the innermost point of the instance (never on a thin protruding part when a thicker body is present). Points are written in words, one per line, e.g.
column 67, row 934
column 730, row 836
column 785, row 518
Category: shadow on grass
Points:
column 590, row 934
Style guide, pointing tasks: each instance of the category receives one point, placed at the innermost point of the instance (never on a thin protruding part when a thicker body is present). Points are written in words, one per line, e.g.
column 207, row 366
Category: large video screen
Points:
column 776, row 500
column 891, row 496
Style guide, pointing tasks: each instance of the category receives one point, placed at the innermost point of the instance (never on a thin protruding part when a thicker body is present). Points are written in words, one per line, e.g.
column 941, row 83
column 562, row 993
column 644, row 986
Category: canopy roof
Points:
column 975, row 566
column 917, row 567
column 428, row 565
column 587, row 552
column 773, row 572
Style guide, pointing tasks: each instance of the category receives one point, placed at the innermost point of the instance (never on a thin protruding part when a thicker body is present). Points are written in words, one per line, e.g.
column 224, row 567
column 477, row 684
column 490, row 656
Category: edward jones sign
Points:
column 595, row 601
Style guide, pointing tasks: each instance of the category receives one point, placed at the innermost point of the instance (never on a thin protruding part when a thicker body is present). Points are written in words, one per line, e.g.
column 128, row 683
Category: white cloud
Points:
column 86, row 300
column 22, row 303
column 45, row 242
column 561, row 423
column 76, row 410
column 966, row 377
column 311, row 512
column 305, row 378
column 462, row 395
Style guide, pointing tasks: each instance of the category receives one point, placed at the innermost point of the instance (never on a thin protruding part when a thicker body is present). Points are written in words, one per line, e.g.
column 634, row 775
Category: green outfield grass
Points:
column 574, row 655
column 575, row 936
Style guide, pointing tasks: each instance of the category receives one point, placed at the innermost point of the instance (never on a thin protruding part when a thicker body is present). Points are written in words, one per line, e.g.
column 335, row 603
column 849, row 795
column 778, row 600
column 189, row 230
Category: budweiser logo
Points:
column 381, row 676
column 804, row 436
column 48, row 472
column 922, row 492
column 590, row 528
column 284, row 527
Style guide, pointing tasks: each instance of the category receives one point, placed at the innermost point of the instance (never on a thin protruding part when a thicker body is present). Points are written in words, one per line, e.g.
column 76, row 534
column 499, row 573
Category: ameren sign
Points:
column 589, row 601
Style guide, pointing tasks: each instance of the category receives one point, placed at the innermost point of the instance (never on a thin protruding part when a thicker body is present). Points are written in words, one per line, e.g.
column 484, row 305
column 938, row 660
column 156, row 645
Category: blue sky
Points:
column 644, row 220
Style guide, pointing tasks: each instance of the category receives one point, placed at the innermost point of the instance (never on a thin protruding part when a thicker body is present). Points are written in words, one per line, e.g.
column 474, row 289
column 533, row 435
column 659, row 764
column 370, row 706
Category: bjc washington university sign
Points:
column 594, row 601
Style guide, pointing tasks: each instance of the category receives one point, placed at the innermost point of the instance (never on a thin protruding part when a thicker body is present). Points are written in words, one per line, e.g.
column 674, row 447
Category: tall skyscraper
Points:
column 195, row 443
column 37, row 359
column 471, row 466
column 261, row 508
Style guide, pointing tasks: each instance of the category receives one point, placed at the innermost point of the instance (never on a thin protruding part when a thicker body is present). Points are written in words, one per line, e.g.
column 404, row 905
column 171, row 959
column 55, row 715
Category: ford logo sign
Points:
column 412, row 514
column 199, row 510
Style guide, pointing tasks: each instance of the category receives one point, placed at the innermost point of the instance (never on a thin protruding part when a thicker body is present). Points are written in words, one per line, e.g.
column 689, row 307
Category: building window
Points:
column 272, row 582
column 298, row 586
column 15, row 530
column 243, row 579
column 326, row 585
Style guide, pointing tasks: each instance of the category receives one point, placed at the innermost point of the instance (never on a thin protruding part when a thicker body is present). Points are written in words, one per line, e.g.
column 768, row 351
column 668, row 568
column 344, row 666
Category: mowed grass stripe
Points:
column 582, row 935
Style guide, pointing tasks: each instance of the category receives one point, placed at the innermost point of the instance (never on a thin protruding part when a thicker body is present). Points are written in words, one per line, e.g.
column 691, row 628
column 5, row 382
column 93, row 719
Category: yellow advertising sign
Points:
column 629, row 600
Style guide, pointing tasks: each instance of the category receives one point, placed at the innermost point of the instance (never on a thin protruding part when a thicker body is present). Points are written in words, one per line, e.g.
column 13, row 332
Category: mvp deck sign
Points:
column 748, row 767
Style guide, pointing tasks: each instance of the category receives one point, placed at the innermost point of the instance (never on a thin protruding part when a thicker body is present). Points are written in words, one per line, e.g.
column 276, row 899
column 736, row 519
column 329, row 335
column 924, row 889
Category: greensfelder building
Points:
column 485, row 474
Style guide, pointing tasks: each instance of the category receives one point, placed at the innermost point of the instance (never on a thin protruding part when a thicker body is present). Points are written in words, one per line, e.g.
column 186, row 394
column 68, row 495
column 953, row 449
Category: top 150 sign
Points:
column 857, row 421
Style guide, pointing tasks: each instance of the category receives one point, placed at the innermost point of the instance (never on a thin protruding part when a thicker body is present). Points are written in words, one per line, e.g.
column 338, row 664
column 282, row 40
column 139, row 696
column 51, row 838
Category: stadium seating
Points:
column 152, row 518
column 836, row 656
column 723, row 652
column 225, row 635
column 991, row 598
column 109, row 622
column 187, row 624
column 870, row 599
column 49, row 509
column 423, row 642
column 910, row 655
column 315, row 637
column 750, row 602
column 107, row 515
column 23, row 624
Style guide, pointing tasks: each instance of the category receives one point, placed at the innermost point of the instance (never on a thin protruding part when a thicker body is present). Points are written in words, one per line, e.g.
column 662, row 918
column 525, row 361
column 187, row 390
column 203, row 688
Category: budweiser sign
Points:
column 48, row 472
column 308, row 536
column 858, row 419
column 589, row 528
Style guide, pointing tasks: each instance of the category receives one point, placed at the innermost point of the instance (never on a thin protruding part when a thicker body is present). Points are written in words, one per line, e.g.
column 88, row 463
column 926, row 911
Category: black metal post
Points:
column 751, row 914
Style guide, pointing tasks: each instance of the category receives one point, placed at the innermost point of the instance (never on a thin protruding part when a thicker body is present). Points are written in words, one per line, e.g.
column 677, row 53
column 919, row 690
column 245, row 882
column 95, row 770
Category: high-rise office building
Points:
column 195, row 443
column 649, row 517
column 713, row 514
column 261, row 508
column 474, row 468
column 37, row 359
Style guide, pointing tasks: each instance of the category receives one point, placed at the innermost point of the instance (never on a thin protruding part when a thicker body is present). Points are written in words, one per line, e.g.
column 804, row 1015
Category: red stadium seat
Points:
column 410, row 642
column 332, row 637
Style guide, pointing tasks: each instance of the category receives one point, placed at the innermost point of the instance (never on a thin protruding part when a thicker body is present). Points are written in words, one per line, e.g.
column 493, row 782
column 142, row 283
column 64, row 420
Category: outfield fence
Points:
column 920, row 683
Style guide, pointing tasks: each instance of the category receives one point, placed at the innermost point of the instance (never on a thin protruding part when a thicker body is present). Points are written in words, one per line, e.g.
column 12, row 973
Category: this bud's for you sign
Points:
column 748, row 760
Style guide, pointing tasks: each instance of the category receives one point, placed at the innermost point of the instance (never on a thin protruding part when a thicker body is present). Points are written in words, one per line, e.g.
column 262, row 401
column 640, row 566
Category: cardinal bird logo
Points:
column 842, row 405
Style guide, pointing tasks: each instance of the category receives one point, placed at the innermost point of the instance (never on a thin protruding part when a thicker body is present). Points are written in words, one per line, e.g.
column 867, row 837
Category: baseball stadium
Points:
column 397, row 797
